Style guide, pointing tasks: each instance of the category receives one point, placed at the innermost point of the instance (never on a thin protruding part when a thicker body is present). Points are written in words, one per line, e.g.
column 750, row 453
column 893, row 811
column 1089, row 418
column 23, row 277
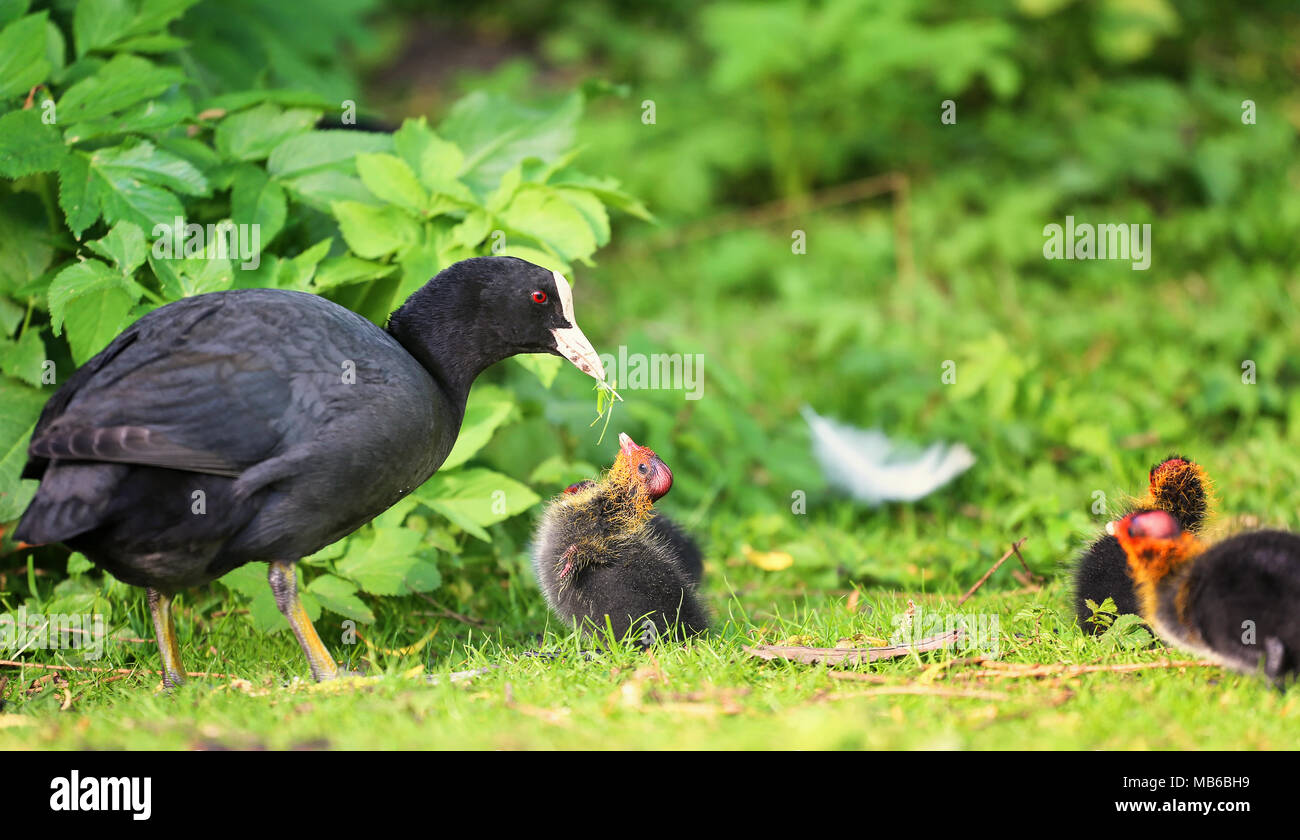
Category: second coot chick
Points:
column 1236, row 602
column 600, row 554
column 1176, row 485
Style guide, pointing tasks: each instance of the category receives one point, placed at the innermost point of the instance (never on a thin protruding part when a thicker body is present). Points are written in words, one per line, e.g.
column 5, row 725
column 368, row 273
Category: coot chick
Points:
column 262, row 424
column 1236, row 603
column 679, row 544
column 1176, row 485
column 598, row 554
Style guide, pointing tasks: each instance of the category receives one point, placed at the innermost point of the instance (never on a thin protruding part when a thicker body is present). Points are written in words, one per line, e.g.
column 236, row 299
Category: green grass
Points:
column 705, row 694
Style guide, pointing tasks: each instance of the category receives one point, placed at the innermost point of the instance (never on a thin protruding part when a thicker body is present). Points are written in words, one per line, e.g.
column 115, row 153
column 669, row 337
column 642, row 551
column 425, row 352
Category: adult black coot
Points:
column 263, row 424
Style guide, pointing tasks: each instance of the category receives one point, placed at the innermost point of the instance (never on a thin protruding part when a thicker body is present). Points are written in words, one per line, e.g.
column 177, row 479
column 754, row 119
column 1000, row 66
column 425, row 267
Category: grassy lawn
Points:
column 1065, row 408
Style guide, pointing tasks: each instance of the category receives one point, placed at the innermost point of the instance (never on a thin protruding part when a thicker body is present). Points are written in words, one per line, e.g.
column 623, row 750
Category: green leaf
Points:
column 487, row 409
column 181, row 278
column 23, row 64
column 145, row 162
column 388, row 563
column 23, row 358
column 119, row 84
column 254, row 134
column 340, row 596
column 391, row 180
column 80, row 192
column 375, row 231
column 321, row 188
column 477, row 496
column 91, row 304
column 255, row 199
column 124, row 246
column 298, row 272
column 11, row 10
column 496, row 135
column 542, row 214
column 340, row 271
column 434, row 159
column 98, row 23
column 154, row 115
column 315, row 150
column 19, row 408
column 25, row 242
column 542, row 365
column 28, row 145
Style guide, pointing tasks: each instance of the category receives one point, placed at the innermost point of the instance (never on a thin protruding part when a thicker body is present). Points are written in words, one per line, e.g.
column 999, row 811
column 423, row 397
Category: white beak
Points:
column 575, row 347
column 570, row 341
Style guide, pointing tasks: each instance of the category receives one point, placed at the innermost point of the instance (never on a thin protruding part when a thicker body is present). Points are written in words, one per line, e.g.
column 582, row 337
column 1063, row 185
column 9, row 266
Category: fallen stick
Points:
column 14, row 664
column 850, row 656
column 1015, row 549
column 1009, row 669
column 923, row 690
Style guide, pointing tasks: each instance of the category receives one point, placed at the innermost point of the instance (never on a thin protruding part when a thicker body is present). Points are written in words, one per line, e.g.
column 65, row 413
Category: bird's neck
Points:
column 437, row 326
column 629, row 506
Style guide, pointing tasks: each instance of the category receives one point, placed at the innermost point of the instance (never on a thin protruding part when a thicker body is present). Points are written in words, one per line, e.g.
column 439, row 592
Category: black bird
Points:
column 1176, row 485
column 262, row 424
column 1236, row 602
column 598, row 553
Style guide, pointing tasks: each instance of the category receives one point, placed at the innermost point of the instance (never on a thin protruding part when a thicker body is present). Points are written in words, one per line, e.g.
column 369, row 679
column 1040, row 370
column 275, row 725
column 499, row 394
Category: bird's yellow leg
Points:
column 164, row 632
column 284, row 584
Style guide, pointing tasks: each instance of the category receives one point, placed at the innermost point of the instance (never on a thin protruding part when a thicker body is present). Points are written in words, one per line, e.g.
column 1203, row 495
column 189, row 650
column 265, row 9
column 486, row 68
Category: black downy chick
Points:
column 294, row 420
column 1176, row 485
column 599, row 553
column 680, row 546
column 1236, row 602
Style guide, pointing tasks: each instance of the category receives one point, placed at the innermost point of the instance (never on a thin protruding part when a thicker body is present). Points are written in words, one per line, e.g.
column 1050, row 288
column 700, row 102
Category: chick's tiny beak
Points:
column 625, row 443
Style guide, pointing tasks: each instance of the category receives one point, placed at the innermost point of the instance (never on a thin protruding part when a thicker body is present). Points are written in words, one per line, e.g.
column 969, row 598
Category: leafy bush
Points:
column 113, row 144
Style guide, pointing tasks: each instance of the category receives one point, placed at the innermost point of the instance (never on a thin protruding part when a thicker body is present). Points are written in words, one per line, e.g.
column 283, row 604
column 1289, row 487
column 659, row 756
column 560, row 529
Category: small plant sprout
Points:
column 606, row 396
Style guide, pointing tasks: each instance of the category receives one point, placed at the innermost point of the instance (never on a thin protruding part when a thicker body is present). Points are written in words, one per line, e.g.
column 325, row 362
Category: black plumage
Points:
column 1176, row 485
column 602, row 553
column 1236, row 602
column 262, row 424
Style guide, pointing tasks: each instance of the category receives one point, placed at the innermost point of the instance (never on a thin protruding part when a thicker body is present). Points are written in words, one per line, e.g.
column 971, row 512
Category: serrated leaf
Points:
column 541, row 214
column 545, row 367
column 19, row 408
column 98, row 23
column 255, row 199
column 391, row 180
column 28, row 145
column 340, row 596
column 80, row 192
column 120, row 83
column 314, row 150
column 181, row 278
column 389, row 563
column 254, row 134
column 476, row 495
column 23, row 358
column 375, row 231
column 487, row 409
column 124, row 246
column 23, row 64
column 90, row 303
column 496, row 134
column 340, row 271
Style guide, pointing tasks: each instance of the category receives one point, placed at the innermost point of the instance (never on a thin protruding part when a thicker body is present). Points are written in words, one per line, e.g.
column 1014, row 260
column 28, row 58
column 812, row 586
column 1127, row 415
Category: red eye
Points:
column 539, row 296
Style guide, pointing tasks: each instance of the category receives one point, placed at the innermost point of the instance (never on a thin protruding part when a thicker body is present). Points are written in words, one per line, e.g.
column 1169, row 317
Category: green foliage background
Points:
column 1072, row 376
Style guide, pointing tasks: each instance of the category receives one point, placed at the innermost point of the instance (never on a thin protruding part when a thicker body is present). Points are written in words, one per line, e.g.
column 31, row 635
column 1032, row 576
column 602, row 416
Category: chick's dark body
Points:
column 630, row 574
column 1242, row 598
column 234, row 426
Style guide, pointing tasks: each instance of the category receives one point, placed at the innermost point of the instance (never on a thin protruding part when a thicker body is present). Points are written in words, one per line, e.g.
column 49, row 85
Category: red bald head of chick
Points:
column 639, row 468
column 1154, row 543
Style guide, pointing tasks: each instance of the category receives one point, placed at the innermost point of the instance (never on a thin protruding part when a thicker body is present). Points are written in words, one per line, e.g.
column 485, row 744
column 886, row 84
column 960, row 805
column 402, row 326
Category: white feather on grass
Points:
column 873, row 469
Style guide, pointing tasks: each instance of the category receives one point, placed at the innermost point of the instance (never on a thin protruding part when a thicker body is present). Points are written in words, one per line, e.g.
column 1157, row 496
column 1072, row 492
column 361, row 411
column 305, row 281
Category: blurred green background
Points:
column 924, row 245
